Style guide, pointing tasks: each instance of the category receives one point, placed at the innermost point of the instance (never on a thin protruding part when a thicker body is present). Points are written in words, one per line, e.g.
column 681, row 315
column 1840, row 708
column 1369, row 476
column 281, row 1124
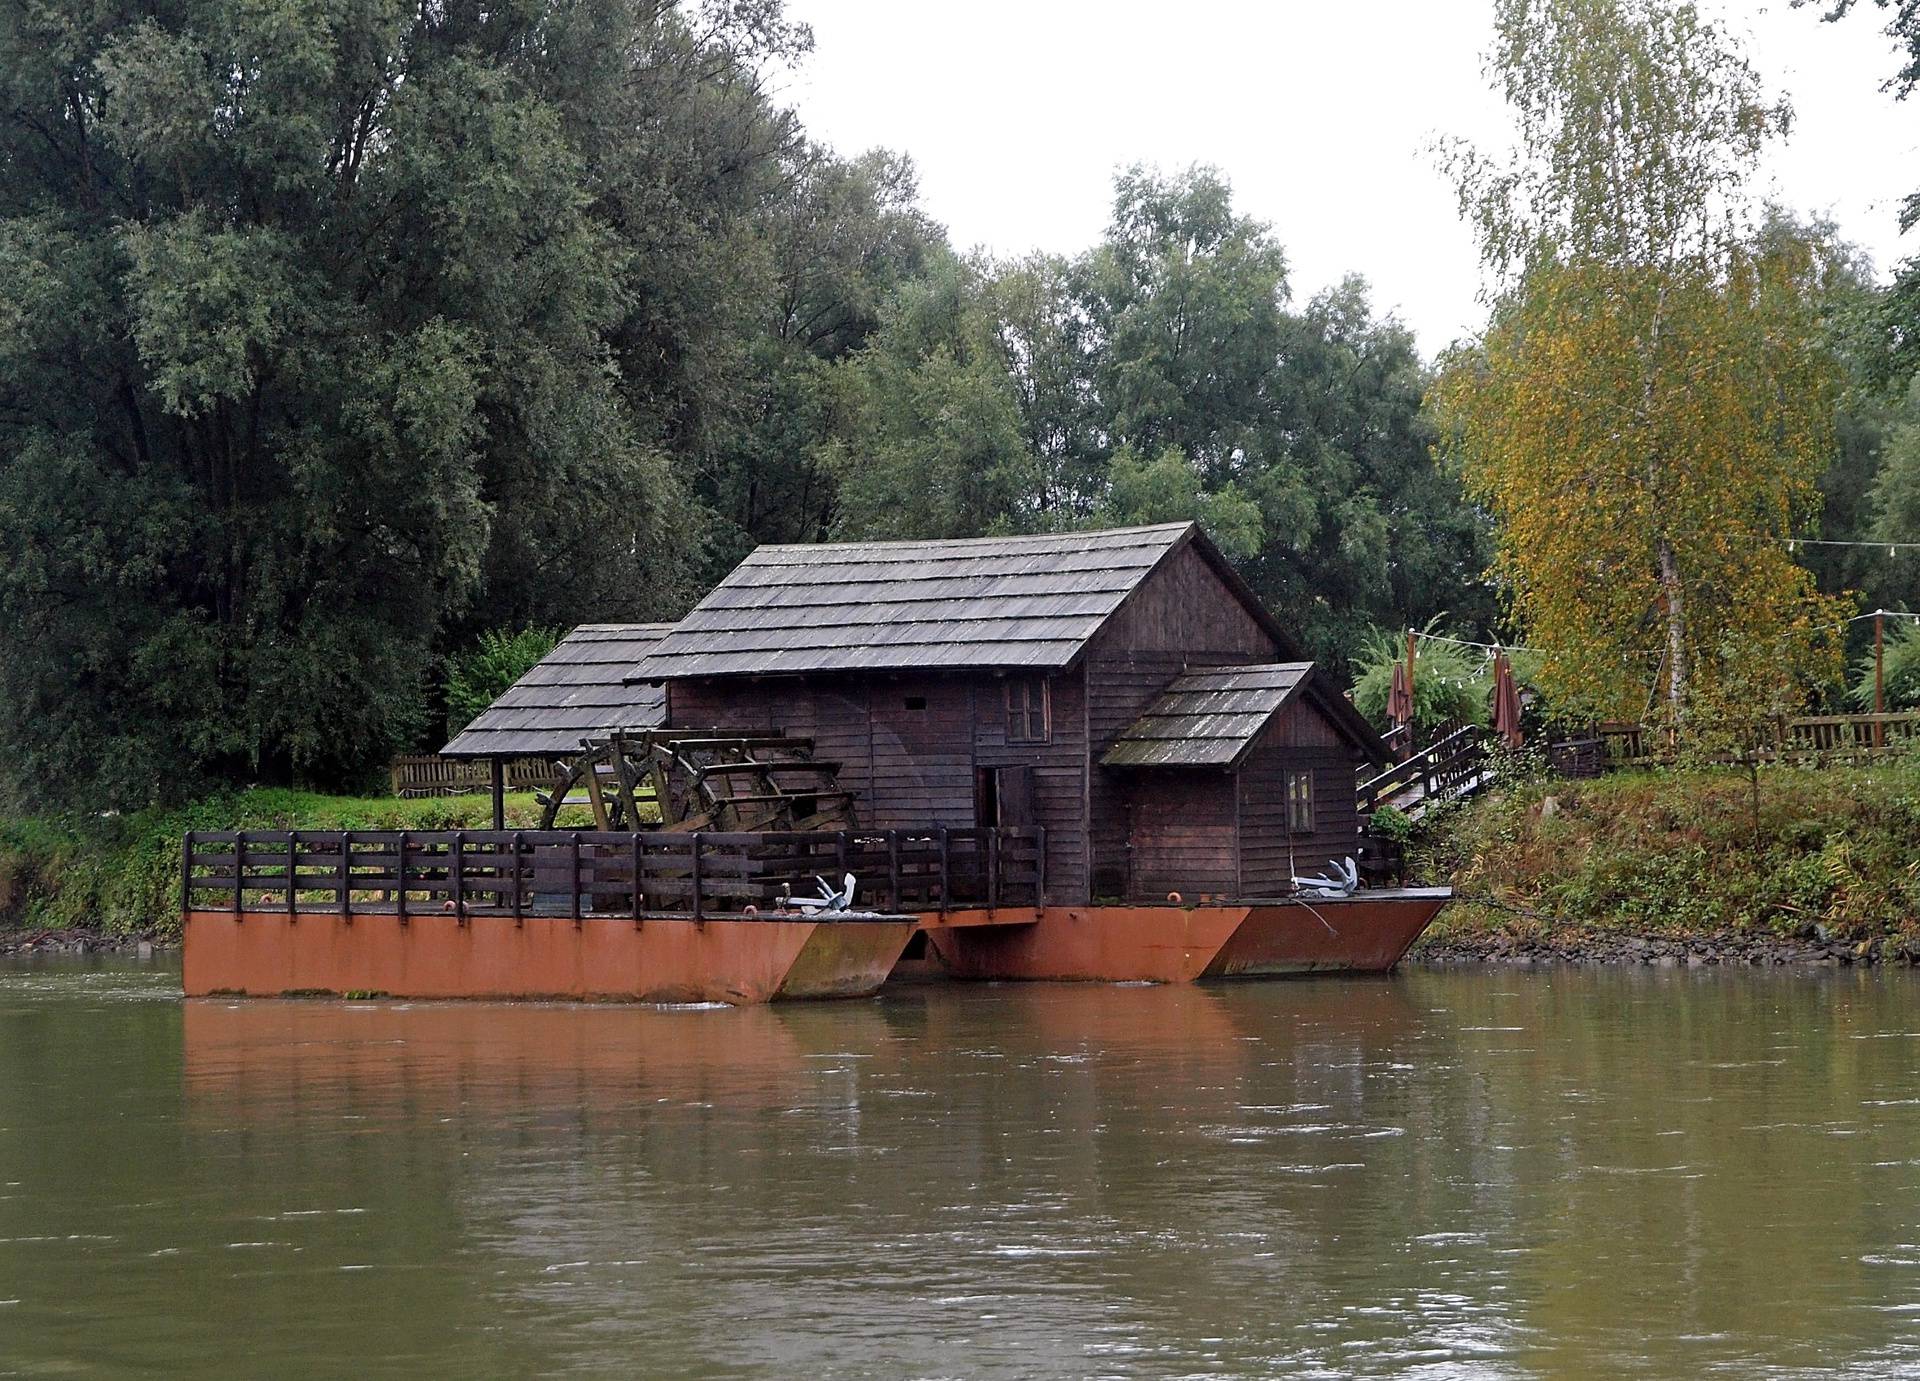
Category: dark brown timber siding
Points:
column 1183, row 835
column 1059, row 774
column 1183, row 615
column 909, row 746
column 1270, row 856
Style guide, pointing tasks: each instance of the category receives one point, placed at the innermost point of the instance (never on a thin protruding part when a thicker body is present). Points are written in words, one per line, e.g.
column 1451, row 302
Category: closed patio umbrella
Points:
column 1400, row 696
column 1506, row 703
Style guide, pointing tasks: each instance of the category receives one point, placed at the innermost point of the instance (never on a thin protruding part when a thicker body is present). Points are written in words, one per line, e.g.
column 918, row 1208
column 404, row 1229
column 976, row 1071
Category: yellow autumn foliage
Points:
column 1615, row 407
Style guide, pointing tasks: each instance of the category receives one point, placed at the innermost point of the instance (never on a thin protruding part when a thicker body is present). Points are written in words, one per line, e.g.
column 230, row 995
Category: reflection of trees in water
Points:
column 1554, row 1167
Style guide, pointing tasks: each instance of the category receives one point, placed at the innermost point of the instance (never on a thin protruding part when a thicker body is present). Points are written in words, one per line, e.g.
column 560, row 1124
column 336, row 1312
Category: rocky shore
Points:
column 42, row 941
column 1751, row 948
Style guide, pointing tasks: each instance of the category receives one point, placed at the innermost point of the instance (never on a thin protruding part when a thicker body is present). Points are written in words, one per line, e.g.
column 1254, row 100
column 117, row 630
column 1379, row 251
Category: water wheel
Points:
column 704, row 780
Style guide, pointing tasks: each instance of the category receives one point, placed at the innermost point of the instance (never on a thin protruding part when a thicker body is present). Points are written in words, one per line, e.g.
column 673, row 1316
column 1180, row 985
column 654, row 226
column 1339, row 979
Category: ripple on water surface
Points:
column 1446, row 1174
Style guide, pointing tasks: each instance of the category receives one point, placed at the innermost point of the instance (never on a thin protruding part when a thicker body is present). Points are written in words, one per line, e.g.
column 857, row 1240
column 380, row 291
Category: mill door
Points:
column 1003, row 797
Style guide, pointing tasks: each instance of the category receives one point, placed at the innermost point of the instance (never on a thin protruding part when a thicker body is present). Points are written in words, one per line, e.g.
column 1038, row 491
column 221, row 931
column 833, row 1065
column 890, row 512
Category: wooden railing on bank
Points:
column 1443, row 769
column 1801, row 740
column 429, row 774
column 582, row 874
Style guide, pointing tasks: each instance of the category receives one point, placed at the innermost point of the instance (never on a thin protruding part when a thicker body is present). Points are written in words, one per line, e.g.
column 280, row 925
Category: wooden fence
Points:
column 579, row 874
column 1803, row 740
column 429, row 774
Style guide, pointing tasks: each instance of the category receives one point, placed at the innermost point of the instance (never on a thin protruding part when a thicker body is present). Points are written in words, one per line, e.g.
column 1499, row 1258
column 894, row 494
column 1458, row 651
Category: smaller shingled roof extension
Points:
column 1210, row 716
column 576, row 691
column 1014, row 603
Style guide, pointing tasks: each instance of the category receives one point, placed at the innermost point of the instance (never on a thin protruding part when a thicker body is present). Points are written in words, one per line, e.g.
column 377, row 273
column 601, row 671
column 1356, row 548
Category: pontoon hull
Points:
column 668, row 959
column 1365, row 933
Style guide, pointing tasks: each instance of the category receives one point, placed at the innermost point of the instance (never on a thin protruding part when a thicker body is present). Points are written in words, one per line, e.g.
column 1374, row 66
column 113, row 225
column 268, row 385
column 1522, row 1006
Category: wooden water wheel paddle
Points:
column 703, row 779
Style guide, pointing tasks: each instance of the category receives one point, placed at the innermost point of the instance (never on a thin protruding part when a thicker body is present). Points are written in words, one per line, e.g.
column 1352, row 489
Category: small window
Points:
column 916, row 702
column 1299, row 790
column 1028, row 720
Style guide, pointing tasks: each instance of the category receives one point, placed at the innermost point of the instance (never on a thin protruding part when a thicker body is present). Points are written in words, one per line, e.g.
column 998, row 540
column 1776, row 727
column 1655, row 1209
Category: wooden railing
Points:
column 429, row 774
column 580, row 874
column 1802, row 740
column 1443, row 769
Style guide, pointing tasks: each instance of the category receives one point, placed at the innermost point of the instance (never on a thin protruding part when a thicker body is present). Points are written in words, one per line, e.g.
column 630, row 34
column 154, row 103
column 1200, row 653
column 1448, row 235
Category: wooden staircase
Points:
column 1453, row 767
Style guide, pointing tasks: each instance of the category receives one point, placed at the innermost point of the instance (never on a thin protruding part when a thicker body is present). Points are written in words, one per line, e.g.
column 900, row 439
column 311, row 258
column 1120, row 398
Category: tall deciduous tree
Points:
column 333, row 331
column 1652, row 403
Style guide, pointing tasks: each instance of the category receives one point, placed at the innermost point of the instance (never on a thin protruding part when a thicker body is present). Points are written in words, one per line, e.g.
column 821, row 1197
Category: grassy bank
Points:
column 121, row 874
column 1833, row 853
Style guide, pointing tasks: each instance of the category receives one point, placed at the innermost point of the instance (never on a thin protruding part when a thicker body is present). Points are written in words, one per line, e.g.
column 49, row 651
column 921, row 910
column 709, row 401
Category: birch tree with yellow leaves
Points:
column 1651, row 404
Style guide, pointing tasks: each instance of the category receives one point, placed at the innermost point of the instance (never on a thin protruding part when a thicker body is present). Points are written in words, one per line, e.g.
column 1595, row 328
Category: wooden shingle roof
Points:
column 576, row 691
column 1013, row 603
column 1210, row 717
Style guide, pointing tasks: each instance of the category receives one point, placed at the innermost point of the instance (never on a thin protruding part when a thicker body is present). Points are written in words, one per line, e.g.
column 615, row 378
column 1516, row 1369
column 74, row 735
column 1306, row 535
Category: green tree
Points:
column 927, row 438
column 1653, row 401
column 334, row 332
column 481, row 673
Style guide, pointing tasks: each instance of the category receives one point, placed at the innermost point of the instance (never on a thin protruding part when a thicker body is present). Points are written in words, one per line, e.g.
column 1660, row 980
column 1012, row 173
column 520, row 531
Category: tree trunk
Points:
column 1676, row 631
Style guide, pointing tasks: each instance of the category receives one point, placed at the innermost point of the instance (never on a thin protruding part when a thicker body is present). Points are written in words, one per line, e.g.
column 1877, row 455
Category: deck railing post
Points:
column 518, row 917
column 699, row 912
column 1040, row 865
column 993, row 868
column 346, row 876
column 186, row 874
column 945, row 856
column 457, row 871
column 893, row 870
column 239, row 867
column 638, row 855
column 400, row 878
column 573, row 904
column 293, row 860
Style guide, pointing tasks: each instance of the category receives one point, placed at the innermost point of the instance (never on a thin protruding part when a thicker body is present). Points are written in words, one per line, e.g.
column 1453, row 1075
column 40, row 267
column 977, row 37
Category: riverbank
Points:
column 1684, row 868
column 117, row 877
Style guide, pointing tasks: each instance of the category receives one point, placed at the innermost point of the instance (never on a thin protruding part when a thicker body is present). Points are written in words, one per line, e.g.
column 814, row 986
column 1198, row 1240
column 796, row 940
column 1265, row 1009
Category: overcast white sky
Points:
column 1018, row 111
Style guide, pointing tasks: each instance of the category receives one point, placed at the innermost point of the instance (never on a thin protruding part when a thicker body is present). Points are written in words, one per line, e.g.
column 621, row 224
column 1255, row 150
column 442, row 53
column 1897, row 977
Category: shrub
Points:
column 477, row 677
column 1901, row 669
column 1450, row 683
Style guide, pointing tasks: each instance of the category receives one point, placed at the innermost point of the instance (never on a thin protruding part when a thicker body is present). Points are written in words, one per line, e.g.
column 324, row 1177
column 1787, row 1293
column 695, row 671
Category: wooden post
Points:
column 346, row 876
column 239, row 868
column 638, row 850
column 993, row 868
column 457, row 875
column 400, row 878
column 186, row 875
column 1040, row 865
column 293, row 856
column 893, row 870
column 573, row 903
column 518, row 917
column 499, row 785
column 1879, row 677
column 1413, row 733
column 945, row 888
column 698, row 911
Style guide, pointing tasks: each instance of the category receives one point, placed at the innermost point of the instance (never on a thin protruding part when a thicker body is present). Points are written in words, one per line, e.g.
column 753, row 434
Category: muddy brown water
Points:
column 1450, row 1173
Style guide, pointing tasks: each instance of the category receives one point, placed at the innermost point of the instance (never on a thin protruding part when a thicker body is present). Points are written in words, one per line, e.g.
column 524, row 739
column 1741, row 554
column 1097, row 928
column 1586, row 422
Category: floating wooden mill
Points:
column 703, row 779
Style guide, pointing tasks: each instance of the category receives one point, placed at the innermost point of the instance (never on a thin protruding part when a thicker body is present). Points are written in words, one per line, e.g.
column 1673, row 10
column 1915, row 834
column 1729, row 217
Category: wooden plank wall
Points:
column 912, row 766
column 1183, row 835
column 1059, row 774
column 1182, row 616
column 1269, row 857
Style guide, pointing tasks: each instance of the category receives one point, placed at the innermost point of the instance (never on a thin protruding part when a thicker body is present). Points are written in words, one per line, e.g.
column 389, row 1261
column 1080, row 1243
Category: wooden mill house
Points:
column 1123, row 689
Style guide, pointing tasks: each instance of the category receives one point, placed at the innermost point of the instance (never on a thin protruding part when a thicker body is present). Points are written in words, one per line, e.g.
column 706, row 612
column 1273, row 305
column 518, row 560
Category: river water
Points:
column 1448, row 1173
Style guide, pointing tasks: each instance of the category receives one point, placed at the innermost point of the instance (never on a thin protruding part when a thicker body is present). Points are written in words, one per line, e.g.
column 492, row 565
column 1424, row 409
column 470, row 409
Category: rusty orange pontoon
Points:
column 1087, row 755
